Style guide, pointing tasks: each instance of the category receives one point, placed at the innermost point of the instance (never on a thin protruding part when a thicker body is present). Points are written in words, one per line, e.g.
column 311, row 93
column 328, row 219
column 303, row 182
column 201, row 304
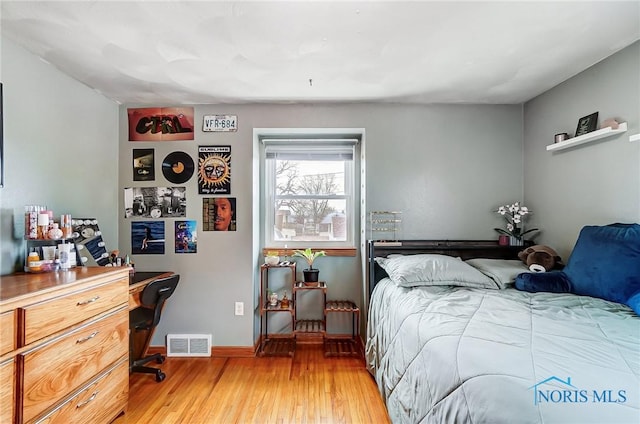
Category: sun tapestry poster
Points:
column 214, row 169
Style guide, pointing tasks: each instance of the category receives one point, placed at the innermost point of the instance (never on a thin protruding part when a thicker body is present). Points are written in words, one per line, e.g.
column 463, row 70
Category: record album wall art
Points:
column 219, row 214
column 143, row 165
column 160, row 123
column 186, row 237
column 155, row 202
column 147, row 237
column 177, row 167
column 214, row 169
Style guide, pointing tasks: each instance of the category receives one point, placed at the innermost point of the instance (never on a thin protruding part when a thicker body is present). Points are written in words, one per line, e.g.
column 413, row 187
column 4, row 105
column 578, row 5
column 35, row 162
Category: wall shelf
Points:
column 634, row 137
column 587, row 138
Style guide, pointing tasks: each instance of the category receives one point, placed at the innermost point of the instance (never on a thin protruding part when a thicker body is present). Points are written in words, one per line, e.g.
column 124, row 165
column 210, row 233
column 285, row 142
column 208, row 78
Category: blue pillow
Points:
column 605, row 263
column 554, row 282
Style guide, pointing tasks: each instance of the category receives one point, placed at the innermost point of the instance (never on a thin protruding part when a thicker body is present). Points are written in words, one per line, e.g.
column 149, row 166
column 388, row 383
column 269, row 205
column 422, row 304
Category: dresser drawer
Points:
column 7, row 390
column 45, row 318
column 60, row 366
column 7, row 332
column 98, row 402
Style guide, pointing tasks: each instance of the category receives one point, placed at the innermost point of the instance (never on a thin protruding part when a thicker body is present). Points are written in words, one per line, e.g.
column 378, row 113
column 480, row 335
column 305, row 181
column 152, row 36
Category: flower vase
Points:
column 516, row 241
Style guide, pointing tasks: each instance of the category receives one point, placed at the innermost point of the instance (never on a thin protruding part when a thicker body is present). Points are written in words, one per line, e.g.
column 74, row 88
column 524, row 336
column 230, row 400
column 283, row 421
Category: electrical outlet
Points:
column 239, row 308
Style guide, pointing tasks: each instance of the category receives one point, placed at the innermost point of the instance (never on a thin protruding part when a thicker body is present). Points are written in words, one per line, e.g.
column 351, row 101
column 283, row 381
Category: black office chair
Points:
column 147, row 318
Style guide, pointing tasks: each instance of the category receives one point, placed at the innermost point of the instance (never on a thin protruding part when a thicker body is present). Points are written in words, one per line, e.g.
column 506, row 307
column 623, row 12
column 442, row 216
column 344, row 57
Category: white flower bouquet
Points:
column 514, row 214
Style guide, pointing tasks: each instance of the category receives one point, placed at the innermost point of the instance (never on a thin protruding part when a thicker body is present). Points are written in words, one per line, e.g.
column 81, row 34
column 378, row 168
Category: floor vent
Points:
column 188, row 344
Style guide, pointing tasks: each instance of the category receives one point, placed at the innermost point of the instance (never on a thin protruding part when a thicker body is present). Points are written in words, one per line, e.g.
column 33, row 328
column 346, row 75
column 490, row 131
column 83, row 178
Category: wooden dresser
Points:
column 64, row 346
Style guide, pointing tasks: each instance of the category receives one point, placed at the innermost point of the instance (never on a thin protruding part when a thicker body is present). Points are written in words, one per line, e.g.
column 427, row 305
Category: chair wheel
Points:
column 160, row 377
column 160, row 359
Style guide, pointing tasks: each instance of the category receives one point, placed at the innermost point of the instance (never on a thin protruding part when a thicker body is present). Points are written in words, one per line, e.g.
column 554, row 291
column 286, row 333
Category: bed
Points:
column 450, row 340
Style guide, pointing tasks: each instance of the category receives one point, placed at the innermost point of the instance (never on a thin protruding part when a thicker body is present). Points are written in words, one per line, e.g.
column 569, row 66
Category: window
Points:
column 309, row 192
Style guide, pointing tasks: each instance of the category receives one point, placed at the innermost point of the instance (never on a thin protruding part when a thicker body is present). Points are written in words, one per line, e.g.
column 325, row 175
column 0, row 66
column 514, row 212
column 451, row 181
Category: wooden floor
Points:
column 307, row 388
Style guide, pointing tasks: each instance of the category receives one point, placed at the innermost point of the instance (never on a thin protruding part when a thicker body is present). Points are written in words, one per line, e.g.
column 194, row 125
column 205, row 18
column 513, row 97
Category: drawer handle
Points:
column 86, row 302
column 93, row 396
column 89, row 337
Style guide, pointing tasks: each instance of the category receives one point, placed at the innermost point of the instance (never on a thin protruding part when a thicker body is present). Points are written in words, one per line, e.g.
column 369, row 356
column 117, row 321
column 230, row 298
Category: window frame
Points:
column 351, row 192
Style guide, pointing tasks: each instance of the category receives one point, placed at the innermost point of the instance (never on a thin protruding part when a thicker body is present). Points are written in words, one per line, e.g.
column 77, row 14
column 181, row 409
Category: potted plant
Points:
column 310, row 274
column 514, row 214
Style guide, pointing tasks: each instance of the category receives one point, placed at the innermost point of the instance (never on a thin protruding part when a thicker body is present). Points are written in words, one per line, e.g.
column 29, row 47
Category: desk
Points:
column 137, row 283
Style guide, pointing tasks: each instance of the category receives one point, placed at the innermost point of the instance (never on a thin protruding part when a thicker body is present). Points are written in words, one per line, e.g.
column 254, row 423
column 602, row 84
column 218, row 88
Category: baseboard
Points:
column 245, row 351
column 216, row 351
column 233, row 351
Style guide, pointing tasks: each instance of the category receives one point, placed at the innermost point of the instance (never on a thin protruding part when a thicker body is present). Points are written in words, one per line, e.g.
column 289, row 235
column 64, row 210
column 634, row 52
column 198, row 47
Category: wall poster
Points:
column 219, row 214
column 143, row 165
column 147, row 237
column 155, row 202
column 160, row 123
column 214, row 169
column 186, row 237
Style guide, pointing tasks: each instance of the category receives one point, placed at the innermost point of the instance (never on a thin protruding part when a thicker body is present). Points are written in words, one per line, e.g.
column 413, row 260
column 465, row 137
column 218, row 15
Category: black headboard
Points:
column 465, row 249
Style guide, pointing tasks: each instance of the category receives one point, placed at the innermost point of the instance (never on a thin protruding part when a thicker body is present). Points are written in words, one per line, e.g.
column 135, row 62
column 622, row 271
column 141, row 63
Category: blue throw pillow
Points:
column 554, row 282
column 605, row 263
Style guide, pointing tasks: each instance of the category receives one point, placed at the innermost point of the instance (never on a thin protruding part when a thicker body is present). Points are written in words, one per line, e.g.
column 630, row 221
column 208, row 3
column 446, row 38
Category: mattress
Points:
column 449, row 354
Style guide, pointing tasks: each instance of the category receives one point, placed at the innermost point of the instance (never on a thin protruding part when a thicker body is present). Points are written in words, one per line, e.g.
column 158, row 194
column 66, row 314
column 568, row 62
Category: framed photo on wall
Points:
column 587, row 124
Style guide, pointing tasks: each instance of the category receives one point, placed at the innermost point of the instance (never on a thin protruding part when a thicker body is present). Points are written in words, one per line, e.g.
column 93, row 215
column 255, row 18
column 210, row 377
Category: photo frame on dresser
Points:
column 587, row 124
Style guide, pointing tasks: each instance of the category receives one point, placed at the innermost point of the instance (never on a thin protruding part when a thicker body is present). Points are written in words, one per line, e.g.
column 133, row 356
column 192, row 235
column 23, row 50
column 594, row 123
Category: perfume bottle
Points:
column 43, row 225
column 66, row 226
column 284, row 302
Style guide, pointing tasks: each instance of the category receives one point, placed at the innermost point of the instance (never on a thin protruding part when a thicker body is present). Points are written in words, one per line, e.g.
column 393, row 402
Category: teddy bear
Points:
column 540, row 258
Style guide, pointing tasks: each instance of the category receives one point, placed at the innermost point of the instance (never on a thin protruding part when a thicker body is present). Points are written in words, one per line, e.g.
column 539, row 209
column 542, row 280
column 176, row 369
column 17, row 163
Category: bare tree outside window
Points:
column 309, row 199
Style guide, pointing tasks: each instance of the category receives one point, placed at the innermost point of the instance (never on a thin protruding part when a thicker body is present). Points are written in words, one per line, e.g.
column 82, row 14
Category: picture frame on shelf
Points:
column 587, row 124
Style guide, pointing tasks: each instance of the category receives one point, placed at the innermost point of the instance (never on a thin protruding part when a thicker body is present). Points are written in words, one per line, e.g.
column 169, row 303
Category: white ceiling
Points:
column 209, row 52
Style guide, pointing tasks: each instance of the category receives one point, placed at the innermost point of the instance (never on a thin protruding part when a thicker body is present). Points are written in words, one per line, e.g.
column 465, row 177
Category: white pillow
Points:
column 433, row 270
column 502, row 271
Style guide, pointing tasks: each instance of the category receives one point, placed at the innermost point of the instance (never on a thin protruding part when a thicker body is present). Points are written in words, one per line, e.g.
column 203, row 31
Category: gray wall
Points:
column 60, row 150
column 592, row 184
column 447, row 167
